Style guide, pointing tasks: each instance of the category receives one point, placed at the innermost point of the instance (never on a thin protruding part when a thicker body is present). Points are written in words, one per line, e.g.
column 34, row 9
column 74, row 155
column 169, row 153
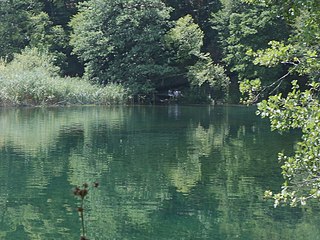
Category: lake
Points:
column 164, row 172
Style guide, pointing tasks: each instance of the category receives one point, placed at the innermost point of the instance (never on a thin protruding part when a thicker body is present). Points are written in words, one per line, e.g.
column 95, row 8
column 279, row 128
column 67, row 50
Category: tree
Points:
column 194, row 29
column 133, row 42
column 185, row 40
column 243, row 27
column 41, row 24
column 45, row 36
column 200, row 10
column 59, row 13
column 15, row 23
column 300, row 108
column 121, row 41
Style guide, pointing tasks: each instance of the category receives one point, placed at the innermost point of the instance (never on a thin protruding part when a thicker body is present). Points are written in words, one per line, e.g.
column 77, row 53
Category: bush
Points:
column 31, row 79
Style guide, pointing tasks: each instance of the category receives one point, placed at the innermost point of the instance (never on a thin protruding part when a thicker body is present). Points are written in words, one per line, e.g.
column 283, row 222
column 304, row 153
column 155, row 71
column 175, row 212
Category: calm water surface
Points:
column 167, row 172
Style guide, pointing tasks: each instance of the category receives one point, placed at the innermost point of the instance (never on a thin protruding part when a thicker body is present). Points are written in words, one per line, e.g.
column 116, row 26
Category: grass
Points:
column 32, row 80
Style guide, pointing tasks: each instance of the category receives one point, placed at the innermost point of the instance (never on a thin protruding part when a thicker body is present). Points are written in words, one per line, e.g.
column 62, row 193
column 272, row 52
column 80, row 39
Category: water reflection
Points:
column 166, row 173
column 174, row 111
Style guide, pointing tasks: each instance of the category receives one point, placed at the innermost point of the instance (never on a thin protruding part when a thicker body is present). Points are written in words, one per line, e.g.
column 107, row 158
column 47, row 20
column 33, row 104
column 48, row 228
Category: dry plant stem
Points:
column 82, row 193
column 82, row 218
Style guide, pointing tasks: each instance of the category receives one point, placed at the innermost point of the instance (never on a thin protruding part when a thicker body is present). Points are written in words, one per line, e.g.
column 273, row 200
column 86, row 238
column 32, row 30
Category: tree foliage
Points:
column 135, row 43
column 15, row 22
column 185, row 40
column 204, row 71
column 298, row 109
column 41, row 24
column 146, row 45
column 121, row 41
column 241, row 28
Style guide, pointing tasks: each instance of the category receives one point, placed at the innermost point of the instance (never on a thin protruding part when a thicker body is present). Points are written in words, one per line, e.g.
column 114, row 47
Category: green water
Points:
column 167, row 172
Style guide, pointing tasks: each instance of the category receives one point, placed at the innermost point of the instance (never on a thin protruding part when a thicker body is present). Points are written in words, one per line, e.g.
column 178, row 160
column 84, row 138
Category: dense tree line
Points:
column 200, row 46
column 263, row 49
column 205, row 46
column 149, row 46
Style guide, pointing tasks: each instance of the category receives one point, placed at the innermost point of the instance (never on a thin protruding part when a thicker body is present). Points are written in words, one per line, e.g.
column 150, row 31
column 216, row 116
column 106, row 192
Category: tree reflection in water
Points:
column 198, row 174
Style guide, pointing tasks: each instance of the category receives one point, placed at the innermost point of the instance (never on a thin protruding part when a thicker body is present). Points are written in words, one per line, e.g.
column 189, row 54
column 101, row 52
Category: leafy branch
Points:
column 299, row 110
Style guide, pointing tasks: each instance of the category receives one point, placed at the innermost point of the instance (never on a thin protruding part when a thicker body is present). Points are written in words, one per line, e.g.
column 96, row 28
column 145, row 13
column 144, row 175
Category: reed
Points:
column 32, row 80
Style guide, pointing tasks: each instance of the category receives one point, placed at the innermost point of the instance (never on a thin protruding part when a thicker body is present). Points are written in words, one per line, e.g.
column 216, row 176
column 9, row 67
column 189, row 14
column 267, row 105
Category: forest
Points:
column 226, row 51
